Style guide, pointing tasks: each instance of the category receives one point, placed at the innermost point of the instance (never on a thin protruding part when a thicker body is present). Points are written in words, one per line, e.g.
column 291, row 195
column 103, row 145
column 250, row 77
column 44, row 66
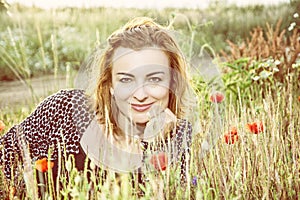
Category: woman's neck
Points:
column 128, row 127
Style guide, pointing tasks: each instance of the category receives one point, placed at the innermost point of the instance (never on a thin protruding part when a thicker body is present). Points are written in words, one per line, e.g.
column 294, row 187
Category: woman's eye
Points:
column 125, row 80
column 155, row 79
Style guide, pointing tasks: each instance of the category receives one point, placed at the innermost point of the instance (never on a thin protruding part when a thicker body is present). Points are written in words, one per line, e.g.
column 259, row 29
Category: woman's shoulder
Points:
column 68, row 97
column 66, row 102
column 69, row 93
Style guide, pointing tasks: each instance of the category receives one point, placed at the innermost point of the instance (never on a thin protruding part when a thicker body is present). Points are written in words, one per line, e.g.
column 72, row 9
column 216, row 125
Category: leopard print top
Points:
column 61, row 119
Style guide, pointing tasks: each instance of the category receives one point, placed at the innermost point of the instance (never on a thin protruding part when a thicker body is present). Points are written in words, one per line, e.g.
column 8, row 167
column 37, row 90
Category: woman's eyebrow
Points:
column 154, row 73
column 126, row 74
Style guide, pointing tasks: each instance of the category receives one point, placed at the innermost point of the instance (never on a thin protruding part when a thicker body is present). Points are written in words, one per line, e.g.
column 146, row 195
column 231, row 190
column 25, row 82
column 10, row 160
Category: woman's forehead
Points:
column 126, row 60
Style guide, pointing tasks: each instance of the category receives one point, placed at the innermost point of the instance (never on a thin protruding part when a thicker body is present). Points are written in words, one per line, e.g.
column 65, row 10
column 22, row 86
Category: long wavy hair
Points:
column 137, row 34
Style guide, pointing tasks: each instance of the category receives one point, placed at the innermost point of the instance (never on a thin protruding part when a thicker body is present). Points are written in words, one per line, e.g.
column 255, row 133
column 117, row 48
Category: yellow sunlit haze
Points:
column 155, row 4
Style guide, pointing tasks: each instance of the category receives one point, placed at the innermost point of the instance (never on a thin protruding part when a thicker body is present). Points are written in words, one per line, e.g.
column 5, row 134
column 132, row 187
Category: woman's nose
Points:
column 140, row 94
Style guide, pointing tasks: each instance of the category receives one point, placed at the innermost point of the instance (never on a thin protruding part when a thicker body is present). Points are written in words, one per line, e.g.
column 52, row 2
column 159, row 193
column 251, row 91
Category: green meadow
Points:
column 257, row 51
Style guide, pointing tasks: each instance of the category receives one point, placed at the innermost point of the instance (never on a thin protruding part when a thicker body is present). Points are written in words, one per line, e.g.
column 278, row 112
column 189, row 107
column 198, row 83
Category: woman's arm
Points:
column 183, row 140
column 58, row 120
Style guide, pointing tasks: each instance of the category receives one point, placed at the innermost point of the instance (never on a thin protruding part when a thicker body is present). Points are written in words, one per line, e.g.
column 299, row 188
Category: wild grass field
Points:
column 256, row 49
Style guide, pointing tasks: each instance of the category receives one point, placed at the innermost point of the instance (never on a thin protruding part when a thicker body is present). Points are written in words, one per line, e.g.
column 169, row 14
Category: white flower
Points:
column 296, row 15
column 275, row 69
column 277, row 62
column 292, row 26
column 265, row 74
column 255, row 78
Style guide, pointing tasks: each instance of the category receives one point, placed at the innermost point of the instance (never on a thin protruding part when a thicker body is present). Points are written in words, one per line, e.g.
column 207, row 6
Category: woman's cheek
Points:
column 158, row 92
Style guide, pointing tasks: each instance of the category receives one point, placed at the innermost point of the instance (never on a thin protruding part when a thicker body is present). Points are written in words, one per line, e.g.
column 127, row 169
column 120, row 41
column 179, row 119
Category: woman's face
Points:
column 140, row 81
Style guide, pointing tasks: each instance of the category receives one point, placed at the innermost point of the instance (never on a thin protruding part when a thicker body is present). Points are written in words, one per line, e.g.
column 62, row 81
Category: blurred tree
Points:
column 218, row 3
column 3, row 6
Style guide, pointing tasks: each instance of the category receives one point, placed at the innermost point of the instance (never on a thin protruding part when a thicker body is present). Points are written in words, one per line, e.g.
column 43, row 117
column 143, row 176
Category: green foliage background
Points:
column 35, row 41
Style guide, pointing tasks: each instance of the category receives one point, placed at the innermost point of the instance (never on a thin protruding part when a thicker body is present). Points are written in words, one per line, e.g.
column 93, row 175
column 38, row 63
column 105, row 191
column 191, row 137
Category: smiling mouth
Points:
column 141, row 107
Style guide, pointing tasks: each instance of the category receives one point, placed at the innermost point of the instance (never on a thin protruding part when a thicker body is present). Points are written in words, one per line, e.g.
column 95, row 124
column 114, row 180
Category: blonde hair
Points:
column 139, row 33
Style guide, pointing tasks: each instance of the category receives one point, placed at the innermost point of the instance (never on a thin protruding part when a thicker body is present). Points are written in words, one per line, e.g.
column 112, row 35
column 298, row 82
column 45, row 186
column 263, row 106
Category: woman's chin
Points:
column 142, row 121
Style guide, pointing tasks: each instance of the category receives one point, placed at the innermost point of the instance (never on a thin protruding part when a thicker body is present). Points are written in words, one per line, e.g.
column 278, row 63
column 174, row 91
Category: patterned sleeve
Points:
column 183, row 140
column 59, row 119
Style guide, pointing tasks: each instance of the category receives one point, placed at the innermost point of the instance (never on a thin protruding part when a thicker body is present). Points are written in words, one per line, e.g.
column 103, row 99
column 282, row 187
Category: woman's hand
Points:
column 159, row 125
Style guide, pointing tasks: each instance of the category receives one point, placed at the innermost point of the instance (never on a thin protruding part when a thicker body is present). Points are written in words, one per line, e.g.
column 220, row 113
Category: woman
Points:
column 139, row 109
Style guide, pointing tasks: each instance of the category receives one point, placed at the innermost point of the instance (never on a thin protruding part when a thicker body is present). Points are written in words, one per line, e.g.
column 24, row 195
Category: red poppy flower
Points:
column 299, row 98
column 217, row 97
column 42, row 165
column 2, row 125
column 233, row 131
column 232, row 136
column 255, row 127
column 159, row 161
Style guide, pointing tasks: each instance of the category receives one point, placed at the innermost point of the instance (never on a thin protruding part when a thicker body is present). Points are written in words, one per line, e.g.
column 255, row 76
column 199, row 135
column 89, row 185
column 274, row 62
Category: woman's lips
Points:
column 141, row 107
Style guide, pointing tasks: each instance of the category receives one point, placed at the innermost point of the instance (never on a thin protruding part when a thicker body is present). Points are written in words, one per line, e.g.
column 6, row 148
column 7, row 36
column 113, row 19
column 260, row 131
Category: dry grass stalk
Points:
column 271, row 43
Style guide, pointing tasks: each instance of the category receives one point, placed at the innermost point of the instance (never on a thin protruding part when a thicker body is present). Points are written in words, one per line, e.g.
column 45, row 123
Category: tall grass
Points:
column 257, row 166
